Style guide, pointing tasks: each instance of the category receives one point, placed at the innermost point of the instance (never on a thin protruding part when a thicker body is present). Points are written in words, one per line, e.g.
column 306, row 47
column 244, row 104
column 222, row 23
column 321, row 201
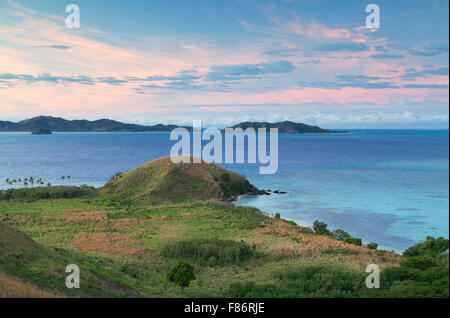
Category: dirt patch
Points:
column 312, row 243
column 124, row 223
column 108, row 242
column 85, row 217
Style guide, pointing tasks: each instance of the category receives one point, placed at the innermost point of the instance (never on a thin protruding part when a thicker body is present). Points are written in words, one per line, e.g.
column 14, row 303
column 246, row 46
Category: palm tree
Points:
column 63, row 178
column 31, row 181
column 68, row 178
column 50, row 193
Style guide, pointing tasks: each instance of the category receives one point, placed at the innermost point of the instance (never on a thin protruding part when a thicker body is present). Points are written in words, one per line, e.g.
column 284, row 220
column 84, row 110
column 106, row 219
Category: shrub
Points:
column 306, row 281
column 432, row 247
column 372, row 246
column 277, row 215
column 340, row 235
column 40, row 193
column 320, row 227
column 353, row 240
column 418, row 262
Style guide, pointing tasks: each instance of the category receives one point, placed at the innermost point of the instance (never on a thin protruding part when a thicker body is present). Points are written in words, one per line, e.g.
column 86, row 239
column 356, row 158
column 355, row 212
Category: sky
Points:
column 224, row 62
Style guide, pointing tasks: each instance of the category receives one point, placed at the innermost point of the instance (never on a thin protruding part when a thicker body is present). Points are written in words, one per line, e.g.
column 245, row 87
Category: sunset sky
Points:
column 228, row 61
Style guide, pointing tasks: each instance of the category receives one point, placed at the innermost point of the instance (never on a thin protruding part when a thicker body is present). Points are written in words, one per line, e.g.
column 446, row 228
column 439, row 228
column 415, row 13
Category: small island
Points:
column 41, row 131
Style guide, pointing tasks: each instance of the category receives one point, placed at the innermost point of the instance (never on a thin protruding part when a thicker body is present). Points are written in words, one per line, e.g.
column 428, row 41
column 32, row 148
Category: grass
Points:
column 210, row 252
column 127, row 236
column 123, row 246
column 15, row 288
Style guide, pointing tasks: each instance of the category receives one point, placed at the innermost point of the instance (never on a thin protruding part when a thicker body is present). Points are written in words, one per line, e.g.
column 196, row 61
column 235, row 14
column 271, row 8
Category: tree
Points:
column 320, row 227
column 50, row 193
column 182, row 274
column 31, row 179
column 353, row 240
column 62, row 177
column 372, row 246
column 68, row 179
column 432, row 247
column 340, row 235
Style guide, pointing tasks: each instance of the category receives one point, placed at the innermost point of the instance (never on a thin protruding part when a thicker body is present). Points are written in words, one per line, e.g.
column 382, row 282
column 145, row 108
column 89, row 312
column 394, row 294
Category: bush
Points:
column 307, row 281
column 211, row 252
column 320, row 228
column 277, row 216
column 340, row 235
column 432, row 247
column 353, row 240
column 418, row 262
column 41, row 193
column 372, row 246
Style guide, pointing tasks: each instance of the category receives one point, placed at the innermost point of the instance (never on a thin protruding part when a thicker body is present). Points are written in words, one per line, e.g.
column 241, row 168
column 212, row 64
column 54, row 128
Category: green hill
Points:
column 31, row 269
column 162, row 180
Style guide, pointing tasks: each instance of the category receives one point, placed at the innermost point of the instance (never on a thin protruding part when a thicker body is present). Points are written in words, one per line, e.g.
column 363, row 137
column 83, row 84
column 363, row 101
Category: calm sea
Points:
column 385, row 186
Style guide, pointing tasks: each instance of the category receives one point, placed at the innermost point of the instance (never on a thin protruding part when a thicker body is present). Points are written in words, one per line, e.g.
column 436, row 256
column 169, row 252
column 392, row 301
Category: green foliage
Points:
column 320, row 228
column 210, row 252
column 340, row 235
column 40, row 193
column 182, row 275
column 306, row 281
column 277, row 216
column 372, row 246
column 353, row 240
column 226, row 177
column 432, row 247
column 236, row 187
column 422, row 262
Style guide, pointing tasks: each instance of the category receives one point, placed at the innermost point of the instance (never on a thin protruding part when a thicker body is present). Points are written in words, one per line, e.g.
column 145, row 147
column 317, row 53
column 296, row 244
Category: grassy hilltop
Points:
column 127, row 236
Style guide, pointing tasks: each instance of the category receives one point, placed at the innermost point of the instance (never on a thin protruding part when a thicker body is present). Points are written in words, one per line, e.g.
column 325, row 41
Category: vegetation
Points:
column 182, row 274
column 129, row 237
column 210, row 252
column 340, row 235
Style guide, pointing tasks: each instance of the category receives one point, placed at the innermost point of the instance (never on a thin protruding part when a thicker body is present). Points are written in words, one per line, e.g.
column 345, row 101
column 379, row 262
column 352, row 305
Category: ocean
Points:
column 385, row 186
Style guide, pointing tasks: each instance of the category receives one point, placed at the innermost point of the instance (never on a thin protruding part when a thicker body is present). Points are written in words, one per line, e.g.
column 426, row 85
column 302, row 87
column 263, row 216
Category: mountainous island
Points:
column 286, row 127
column 146, row 225
column 57, row 124
column 107, row 125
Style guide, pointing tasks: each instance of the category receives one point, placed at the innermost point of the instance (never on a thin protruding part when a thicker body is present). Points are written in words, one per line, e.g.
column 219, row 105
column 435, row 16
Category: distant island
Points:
column 41, row 131
column 42, row 123
column 286, row 127
column 63, row 125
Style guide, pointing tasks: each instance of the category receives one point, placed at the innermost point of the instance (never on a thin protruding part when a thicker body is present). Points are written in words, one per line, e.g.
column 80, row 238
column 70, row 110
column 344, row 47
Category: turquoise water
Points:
column 385, row 186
